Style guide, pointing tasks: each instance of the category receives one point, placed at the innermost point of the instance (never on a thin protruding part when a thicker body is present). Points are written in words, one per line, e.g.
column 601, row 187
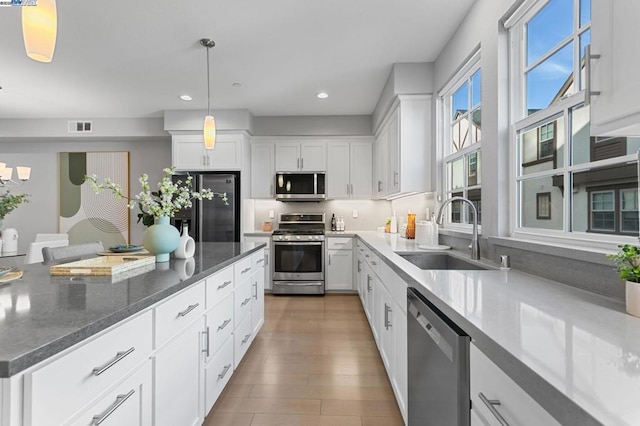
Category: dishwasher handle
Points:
column 431, row 330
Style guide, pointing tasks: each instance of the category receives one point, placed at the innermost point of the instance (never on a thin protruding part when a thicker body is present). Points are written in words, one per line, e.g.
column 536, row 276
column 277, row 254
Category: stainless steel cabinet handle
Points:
column 206, row 333
column 266, row 259
column 395, row 178
column 359, row 266
column 224, row 324
column 271, row 190
column 588, row 56
column 368, row 283
column 366, row 255
column 491, row 403
column 374, row 263
column 379, row 186
column 224, row 371
column 120, row 399
column 245, row 270
column 223, row 285
column 260, row 260
column 189, row 309
column 204, row 160
column 351, row 189
column 347, row 189
column 247, row 300
column 329, row 259
column 298, row 163
column 255, row 285
column 302, row 163
column 119, row 357
column 246, row 338
column 387, row 323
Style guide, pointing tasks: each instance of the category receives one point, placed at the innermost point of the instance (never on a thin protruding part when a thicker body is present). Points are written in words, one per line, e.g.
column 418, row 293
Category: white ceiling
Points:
column 117, row 58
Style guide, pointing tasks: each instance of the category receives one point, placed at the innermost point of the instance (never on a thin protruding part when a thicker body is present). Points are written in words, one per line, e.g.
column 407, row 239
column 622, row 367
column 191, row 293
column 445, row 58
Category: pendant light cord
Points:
column 208, row 85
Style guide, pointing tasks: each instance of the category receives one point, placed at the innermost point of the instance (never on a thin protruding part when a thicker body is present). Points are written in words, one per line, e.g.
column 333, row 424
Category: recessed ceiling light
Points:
column 186, row 98
column 322, row 95
column 237, row 84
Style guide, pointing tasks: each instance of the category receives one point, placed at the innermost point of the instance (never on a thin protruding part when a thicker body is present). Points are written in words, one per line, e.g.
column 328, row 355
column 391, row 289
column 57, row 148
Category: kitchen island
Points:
column 577, row 354
column 46, row 320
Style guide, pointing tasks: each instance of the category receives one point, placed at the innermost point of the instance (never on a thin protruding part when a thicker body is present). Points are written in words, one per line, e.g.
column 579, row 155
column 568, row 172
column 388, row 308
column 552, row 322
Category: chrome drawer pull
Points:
column 120, row 399
column 223, row 285
column 374, row 263
column 245, row 270
column 206, row 333
column 256, row 286
column 490, row 403
column 387, row 323
column 189, row 309
column 119, row 356
column 224, row 324
column 246, row 338
column 245, row 301
column 224, row 371
column 260, row 260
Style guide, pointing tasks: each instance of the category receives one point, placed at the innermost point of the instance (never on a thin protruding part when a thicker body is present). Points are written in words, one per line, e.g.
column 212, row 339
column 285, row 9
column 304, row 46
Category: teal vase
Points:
column 161, row 238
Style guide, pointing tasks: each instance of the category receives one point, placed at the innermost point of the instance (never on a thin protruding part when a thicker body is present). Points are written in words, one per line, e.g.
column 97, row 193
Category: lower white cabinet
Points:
column 266, row 264
column 257, row 282
column 242, row 338
column 496, row 399
column 217, row 373
column 339, row 263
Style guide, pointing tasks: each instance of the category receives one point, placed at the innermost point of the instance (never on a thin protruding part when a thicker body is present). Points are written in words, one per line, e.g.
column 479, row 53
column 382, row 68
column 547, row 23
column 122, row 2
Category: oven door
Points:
column 298, row 261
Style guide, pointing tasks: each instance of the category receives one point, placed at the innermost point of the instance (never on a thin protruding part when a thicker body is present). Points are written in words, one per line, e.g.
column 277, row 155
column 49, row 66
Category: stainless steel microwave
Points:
column 300, row 186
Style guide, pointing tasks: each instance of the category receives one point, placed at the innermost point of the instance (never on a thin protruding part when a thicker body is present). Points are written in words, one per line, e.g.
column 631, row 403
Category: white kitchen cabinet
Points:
column 614, row 34
column 267, row 251
column 263, row 170
column 340, row 267
column 301, row 156
column 403, row 148
column 217, row 373
column 515, row 406
column 188, row 152
column 349, row 169
column 257, row 282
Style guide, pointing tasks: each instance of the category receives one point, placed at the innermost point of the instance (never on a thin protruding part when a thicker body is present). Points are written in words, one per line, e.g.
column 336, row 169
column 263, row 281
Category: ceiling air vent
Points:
column 80, row 126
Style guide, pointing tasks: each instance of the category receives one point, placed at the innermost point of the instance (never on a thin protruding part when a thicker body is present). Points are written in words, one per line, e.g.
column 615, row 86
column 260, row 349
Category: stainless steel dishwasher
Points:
column 438, row 366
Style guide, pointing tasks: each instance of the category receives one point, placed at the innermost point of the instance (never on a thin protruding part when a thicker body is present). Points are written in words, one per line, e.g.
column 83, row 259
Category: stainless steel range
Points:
column 298, row 254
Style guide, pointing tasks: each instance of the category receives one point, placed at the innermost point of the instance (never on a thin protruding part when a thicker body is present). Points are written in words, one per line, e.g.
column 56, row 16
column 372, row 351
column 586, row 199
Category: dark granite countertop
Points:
column 41, row 315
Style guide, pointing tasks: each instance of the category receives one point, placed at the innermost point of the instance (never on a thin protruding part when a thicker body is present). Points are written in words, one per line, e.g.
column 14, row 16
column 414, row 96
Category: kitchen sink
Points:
column 430, row 261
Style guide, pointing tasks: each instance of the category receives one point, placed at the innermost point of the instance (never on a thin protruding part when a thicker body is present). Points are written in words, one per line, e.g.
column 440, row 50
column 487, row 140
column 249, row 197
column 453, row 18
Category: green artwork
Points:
column 85, row 215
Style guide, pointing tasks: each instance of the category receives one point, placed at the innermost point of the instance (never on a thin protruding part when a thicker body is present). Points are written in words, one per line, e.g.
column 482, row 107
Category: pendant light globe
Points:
column 40, row 30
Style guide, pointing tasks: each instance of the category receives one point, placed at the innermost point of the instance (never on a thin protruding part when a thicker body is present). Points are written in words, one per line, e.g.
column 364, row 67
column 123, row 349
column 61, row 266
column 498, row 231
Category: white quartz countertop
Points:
column 576, row 353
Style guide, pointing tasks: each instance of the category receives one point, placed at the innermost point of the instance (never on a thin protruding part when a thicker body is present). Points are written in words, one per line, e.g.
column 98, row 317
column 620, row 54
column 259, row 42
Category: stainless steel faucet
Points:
column 475, row 244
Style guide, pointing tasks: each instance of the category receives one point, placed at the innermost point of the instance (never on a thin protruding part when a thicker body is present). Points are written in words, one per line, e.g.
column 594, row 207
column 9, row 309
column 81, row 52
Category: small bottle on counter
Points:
column 341, row 223
column 333, row 222
column 394, row 224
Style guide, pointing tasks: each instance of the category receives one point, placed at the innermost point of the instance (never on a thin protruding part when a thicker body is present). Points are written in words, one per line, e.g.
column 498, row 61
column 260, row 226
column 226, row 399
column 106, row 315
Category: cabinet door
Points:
column 263, row 170
column 360, row 169
column 217, row 373
column 385, row 334
column 340, row 270
column 178, row 379
column 227, row 153
column 382, row 163
column 257, row 304
column 399, row 379
column 394, row 153
column 188, row 153
column 338, row 183
column 287, row 157
column 614, row 35
column 313, row 156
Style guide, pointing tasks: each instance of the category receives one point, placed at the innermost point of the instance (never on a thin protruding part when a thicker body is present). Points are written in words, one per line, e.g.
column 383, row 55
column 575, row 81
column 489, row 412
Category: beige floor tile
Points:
column 347, row 380
column 362, row 366
column 233, row 390
column 334, row 407
column 267, row 406
column 241, row 377
column 228, row 419
column 298, row 420
column 383, row 421
column 322, row 392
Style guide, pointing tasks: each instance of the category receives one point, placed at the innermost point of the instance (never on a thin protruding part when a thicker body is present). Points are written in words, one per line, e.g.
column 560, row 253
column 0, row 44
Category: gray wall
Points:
column 40, row 215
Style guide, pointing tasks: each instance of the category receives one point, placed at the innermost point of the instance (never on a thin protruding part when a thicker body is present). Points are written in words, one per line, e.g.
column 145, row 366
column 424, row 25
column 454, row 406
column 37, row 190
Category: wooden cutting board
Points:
column 102, row 265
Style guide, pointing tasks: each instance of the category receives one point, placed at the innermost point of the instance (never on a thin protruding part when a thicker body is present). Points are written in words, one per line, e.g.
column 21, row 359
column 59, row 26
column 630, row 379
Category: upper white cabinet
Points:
column 404, row 149
column 614, row 36
column 349, row 169
column 263, row 170
column 301, row 156
column 188, row 152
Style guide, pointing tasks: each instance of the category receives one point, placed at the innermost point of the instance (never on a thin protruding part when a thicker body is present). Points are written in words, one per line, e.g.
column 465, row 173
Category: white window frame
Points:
column 444, row 139
column 519, row 120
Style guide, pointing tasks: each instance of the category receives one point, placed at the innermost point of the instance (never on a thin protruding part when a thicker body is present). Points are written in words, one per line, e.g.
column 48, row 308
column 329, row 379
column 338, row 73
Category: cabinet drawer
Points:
column 81, row 375
column 257, row 259
column 242, row 338
column 242, row 270
column 218, row 286
column 220, row 323
column 396, row 286
column 339, row 243
column 178, row 312
column 128, row 403
column 242, row 302
column 217, row 373
column 516, row 406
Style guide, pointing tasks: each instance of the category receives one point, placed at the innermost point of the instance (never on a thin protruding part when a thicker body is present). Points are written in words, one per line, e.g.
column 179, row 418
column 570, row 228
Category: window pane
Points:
column 542, row 147
column 475, row 196
column 456, row 208
column 473, row 168
column 629, row 199
column 456, row 173
column 549, row 27
column 460, row 134
column 551, row 80
column 476, row 89
column 541, row 202
column 585, row 12
column 460, row 101
column 629, row 207
column 476, row 125
column 585, row 39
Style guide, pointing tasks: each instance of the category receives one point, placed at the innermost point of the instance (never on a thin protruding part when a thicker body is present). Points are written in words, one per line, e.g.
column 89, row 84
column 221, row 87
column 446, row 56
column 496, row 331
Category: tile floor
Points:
column 314, row 362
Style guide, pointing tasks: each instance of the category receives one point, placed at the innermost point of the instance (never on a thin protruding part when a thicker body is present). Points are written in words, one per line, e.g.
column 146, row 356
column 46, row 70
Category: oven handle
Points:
column 298, row 284
column 298, row 243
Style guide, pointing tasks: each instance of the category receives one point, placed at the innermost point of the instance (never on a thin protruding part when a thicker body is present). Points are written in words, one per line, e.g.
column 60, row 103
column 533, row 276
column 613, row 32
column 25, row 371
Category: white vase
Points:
column 632, row 297
column 186, row 245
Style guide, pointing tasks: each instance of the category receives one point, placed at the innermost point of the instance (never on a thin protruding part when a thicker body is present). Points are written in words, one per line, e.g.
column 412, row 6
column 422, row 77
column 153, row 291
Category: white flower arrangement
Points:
column 166, row 201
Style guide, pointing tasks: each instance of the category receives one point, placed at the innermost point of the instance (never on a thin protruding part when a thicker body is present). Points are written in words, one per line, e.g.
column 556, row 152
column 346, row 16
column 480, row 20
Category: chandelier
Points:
column 6, row 174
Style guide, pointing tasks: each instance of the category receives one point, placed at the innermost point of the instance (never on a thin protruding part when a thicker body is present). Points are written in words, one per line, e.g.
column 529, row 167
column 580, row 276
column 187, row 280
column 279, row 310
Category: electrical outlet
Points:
column 355, row 214
column 272, row 214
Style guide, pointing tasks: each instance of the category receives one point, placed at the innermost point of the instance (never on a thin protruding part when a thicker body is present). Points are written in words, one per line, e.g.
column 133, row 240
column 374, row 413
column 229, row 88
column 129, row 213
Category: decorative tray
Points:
column 102, row 265
column 125, row 248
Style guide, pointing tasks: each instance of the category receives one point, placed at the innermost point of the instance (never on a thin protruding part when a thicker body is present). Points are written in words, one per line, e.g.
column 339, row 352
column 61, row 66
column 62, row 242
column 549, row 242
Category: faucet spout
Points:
column 475, row 244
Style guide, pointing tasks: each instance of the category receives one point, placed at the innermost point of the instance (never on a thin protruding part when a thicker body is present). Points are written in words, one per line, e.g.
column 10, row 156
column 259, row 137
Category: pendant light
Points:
column 39, row 30
column 209, row 129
